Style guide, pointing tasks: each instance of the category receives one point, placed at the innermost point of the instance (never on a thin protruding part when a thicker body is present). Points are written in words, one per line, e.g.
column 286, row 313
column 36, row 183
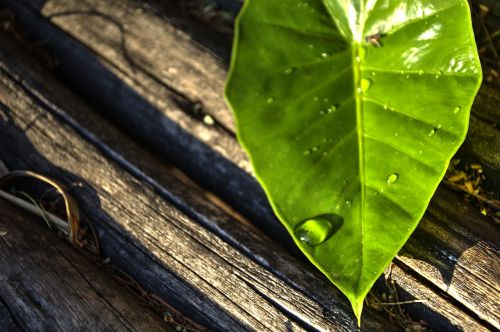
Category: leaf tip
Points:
column 357, row 307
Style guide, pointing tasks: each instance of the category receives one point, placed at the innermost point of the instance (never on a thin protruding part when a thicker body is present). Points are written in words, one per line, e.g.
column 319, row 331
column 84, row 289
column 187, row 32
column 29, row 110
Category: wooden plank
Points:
column 7, row 321
column 158, row 245
column 193, row 160
column 314, row 289
column 46, row 285
column 409, row 290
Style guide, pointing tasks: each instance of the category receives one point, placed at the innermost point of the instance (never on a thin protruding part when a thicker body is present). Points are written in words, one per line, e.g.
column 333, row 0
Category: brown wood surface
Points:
column 123, row 53
column 45, row 285
column 455, row 250
column 165, row 250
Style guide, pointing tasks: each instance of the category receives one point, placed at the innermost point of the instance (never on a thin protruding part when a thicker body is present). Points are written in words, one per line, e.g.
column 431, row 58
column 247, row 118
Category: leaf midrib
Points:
column 361, row 147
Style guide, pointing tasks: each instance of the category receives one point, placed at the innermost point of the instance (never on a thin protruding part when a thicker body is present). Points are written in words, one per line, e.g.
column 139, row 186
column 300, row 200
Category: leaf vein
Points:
column 398, row 149
column 390, row 200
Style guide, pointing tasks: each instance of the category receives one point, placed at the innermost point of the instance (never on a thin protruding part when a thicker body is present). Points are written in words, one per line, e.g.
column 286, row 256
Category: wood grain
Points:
column 168, row 117
column 171, row 185
column 161, row 247
column 48, row 286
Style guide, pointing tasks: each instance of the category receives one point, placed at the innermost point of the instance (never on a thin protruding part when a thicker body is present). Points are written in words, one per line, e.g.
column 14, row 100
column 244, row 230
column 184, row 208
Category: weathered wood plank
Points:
column 7, row 321
column 48, row 286
column 193, row 156
column 313, row 286
column 165, row 250
column 317, row 286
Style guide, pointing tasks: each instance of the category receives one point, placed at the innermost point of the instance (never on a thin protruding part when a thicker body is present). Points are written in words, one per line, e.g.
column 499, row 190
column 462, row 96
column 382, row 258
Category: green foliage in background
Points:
column 350, row 112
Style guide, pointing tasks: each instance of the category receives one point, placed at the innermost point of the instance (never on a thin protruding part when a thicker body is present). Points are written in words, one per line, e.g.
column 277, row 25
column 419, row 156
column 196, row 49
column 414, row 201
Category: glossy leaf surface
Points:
column 350, row 112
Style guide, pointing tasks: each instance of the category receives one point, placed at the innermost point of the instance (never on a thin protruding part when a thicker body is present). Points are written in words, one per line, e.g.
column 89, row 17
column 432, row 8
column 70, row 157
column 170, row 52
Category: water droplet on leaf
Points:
column 331, row 109
column 270, row 100
column 393, row 178
column 439, row 73
column 457, row 110
column 291, row 70
column 317, row 230
column 365, row 84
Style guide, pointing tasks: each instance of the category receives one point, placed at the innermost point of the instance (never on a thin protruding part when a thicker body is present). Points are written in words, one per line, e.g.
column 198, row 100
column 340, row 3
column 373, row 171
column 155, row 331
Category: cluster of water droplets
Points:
column 317, row 230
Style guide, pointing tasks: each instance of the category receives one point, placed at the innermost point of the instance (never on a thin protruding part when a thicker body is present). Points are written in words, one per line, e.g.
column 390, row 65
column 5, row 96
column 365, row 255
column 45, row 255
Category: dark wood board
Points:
column 186, row 130
column 48, row 286
column 159, row 246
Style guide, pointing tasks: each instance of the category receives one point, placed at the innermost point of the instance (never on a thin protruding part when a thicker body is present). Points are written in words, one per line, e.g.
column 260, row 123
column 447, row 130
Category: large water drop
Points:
column 316, row 230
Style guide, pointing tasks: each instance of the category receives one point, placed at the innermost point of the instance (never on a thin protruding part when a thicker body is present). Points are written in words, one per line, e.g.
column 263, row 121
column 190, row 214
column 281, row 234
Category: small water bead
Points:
column 290, row 70
column 317, row 230
column 316, row 148
column 457, row 110
column 433, row 131
column 348, row 204
column 393, row 178
column 270, row 100
column 420, row 72
column 324, row 55
column 331, row 109
column 439, row 73
column 396, row 134
column 373, row 73
column 307, row 152
column 316, row 98
column 365, row 84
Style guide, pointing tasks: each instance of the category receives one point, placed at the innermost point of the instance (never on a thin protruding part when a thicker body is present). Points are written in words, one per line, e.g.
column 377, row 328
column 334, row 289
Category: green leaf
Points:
column 350, row 112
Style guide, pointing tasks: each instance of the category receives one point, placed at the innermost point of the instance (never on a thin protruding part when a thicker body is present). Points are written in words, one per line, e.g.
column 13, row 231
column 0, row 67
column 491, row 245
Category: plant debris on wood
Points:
column 209, row 11
column 52, row 201
column 468, row 178
column 389, row 303
column 486, row 22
